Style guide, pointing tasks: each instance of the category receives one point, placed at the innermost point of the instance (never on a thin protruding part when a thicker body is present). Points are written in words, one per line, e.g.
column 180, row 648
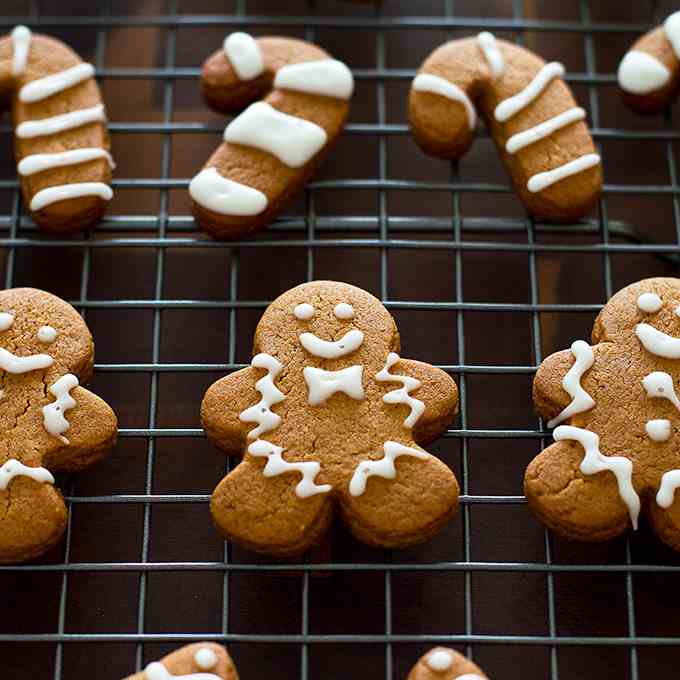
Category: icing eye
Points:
column 649, row 303
column 344, row 311
column 304, row 311
column 205, row 658
column 47, row 334
column 6, row 321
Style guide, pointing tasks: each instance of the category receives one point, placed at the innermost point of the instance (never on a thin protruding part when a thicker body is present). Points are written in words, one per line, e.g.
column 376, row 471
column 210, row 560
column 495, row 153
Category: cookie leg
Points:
column 265, row 514
column 583, row 507
column 32, row 520
column 397, row 510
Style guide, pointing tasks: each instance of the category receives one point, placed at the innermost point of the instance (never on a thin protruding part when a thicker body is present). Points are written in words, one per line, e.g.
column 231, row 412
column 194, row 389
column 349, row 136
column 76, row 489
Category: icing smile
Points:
column 348, row 343
column 657, row 342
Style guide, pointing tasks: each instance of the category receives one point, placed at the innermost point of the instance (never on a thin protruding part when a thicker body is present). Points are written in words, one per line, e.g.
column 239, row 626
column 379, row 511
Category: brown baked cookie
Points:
column 274, row 146
column 442, row 663
column 540, row 132
column 329, row 415
column 48, row 423
column 60, row 138
column 619, row 452
column 649, row 73
column 200, row 661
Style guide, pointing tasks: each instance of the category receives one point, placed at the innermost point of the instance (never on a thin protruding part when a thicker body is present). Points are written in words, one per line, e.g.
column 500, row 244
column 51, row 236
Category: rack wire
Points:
column 495, row 584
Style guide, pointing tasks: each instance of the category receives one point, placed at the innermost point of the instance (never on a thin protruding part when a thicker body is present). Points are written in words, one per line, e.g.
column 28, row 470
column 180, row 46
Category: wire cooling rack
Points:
column 476, row 288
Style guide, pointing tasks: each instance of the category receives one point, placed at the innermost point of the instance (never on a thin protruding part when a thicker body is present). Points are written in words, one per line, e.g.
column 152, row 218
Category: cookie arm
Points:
column 549, row 396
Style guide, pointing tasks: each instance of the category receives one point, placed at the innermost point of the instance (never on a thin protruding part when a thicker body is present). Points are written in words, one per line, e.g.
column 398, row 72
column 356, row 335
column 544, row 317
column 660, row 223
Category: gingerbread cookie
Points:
column 617, row 447
column 329, row 415
column 649, row 73
column 539, row 130
column 60, row 138
column 200, row 661
column 442, row 663
column 274, row 146
column 48, row 423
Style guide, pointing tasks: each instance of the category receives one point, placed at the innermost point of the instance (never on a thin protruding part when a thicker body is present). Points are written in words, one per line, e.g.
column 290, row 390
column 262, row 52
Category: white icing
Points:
column 401, row 395
column 224, row 196
column 205, row 658
column 676, row 311
column 641, row 73
column 6, row 321
column 659, row 385
column 594, row 461
column 324, row 384
column 469, row 676
column 13, row 468
column 294, row 141
column 40, row 89
column 261, row 413
column 384, row 467
column 580, row 399
column 672, row 29
column 325, row 349
column 545, row 179
column 276, row 465
column 513, row 105
column 64, row 121
column 64, row 192
column 157, row 671
column 440, row 660
column 544, row 129
column 21, row 42
column 327, row 77
column 47, row 334
column 304, row 311
column 657, row 342
column 658, row 430
column 493, row 56
column 344, row 311
column 13, row 364
column 669, row 483
column 649, row 303
column 53, row 414
column 244, row 55
column 427, row 82
column 39, row 162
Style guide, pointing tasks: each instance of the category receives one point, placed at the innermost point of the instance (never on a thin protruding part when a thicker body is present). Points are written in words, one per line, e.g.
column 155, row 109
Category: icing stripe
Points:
column 276, row 465
column 672, row 29
column 53, row 414
column 657, row 342
column 545, row 179
column 21, row 43
column 426, row 82
column 40, row 162
column 580, row 399
column 48, row 86
column 669, row 483
column 294, row 141
column 261, row 412
column 544, row 129
column 594, row 461
column 244, row 55
column 493, row 56
column 13, row 364
column 401, row 395
column 56, row 124
column 513, row 105
column 224, row 196
column 384, row 467
column 327, row 77
column 641, row 73
column 64, row 192
column 13, row 468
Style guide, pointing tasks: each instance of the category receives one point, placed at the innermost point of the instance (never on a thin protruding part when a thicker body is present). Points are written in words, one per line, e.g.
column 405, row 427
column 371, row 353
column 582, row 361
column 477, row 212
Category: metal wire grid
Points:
column 310, row 227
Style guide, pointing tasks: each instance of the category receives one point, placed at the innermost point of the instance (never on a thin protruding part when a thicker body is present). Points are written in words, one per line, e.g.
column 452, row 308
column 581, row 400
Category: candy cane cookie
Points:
column 60, row 138
column 649, row 73
column 275, row 144
column 538, row 128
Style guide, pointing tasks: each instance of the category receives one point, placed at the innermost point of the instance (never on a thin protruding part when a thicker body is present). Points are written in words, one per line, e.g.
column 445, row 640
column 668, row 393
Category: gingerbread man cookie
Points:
column 48, row 423
column 274, row 146
column 200, row 661
column 539, row 130
column 442, row 663
column 617, row 446
column 649, row 73
column 60, row 138
column 329, row 415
